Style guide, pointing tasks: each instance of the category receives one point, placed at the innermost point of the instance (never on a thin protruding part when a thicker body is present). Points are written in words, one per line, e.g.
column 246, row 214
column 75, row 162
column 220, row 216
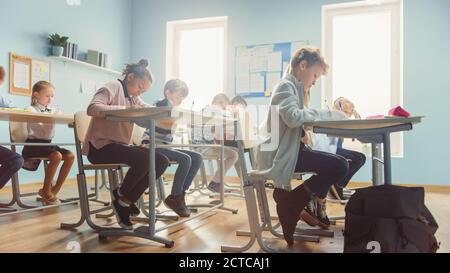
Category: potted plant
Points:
column 58, row 43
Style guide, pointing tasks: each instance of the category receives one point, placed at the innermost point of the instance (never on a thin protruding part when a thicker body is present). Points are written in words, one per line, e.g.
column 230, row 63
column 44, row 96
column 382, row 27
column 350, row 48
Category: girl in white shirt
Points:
column 41, row 99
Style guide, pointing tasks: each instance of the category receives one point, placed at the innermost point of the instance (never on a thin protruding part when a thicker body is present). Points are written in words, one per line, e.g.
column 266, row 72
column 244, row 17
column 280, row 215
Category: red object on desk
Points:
column 375, row 117
column 399, row 112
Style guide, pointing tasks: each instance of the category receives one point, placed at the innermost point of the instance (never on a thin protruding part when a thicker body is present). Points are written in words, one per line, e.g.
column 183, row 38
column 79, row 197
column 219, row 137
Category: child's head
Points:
column 307, row 65
column 176, row 91
column 221, row 101
column 239, row 102
column 138, row 78
column 43, row 93
column 2, row 75
column 344, row 105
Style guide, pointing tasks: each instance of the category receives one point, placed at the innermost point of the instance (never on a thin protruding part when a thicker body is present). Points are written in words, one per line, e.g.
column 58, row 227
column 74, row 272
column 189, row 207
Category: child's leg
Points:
column 357, row 160
column 196, row 163
column 10, row 163
column 230, row 158
column 136, row 179
column 330, row 168
column 55, row 160
column 184, row 165
column 68, row 159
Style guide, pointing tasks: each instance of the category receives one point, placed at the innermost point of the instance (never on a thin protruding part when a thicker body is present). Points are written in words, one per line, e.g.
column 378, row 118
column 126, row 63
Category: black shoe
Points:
column 337, row 193
column 321, row 213
column 122, row 215
column 308, row 214
column 175, row 203
column 134, row 210
column 183, row 199
column 215, row 187
column 289, row 205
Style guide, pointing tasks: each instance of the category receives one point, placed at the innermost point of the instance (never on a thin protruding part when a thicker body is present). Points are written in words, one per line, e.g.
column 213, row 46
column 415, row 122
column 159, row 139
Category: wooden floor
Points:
column 39, row 231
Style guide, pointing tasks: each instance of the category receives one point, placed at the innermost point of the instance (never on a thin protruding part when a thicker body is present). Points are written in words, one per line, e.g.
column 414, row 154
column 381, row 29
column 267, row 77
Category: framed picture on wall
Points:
column 20, row 75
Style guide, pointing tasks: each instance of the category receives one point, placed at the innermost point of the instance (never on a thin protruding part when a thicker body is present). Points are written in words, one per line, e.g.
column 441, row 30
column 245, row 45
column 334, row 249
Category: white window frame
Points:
column 174, row 29
column 395, row 7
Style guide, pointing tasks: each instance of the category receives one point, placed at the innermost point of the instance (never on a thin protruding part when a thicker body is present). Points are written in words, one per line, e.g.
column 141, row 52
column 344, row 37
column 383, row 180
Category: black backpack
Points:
column 389, row 219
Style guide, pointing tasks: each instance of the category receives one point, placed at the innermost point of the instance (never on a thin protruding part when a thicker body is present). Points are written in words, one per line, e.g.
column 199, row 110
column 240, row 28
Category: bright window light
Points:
column 362, row 61
column 201, row 64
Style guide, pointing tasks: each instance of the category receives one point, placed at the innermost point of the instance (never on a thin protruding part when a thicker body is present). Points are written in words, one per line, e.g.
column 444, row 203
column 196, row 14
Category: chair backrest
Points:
column 136, row 137
column 248, row 134
column 18, row 131
column 82, row 122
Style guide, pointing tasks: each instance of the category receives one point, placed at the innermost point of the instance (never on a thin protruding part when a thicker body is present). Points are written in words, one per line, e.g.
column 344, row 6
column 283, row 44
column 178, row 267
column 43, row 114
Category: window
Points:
column 196, row 54
column 363, row 44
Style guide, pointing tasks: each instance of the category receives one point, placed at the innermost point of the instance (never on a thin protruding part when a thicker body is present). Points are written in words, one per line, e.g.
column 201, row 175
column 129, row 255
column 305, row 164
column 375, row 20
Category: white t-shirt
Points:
column 40, row 130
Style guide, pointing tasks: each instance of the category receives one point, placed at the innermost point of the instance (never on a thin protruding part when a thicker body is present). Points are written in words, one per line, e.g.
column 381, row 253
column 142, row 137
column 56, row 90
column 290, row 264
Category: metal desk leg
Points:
column 377, row 170
column 387, row 159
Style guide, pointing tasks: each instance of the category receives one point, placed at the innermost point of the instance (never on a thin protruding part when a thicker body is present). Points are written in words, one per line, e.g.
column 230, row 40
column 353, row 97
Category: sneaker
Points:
column 134, row 210
column 337, row 193
column 308, row 214
column 215, row 187
column 321, row 212
column 122, row 215
column 175, row 203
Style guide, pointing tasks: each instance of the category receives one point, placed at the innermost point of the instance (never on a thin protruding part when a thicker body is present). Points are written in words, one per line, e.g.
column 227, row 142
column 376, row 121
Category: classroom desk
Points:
column 12, row 115
column 373, row 131
column 146, row 117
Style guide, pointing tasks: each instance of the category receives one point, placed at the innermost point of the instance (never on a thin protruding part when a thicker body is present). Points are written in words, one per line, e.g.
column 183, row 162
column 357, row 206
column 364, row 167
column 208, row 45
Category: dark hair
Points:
column 239, row 100
column 38, row 87
column 139, row 69
column 2, row 73
column 175, row 85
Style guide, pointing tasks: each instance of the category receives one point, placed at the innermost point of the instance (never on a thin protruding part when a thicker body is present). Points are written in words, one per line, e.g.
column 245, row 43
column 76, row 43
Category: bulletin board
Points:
column 258, row 68
column 25, row 72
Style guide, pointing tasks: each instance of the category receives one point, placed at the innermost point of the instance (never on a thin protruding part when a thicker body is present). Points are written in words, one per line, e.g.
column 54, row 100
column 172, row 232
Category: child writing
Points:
column 219, row 106
column 189, row 162
column 41, row 99
column 10, row 162
column 333, row 145
column 279, row 162
column 107, row 142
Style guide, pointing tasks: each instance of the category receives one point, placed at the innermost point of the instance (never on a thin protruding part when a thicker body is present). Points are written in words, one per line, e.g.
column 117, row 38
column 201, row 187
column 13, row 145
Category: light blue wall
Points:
column 426, row 56
column 96, row 24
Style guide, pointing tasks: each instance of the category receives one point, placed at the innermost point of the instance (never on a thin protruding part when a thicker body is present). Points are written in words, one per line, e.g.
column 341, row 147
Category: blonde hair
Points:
column 37, row 88
column 176, row 85
column 221, row 100
column 341, row 103
column 306, row 98
column 311, row 55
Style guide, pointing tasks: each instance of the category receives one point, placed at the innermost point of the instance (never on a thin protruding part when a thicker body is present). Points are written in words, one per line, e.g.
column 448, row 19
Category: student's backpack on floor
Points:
column 389, row 219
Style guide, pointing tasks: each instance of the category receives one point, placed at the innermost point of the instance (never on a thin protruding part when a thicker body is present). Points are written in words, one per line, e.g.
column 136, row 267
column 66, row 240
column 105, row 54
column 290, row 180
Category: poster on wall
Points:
column 258, row 68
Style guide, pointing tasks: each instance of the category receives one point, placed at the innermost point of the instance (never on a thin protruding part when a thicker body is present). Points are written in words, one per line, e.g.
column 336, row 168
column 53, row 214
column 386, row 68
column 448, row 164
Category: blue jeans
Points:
column 10, row 163
column 189, row 163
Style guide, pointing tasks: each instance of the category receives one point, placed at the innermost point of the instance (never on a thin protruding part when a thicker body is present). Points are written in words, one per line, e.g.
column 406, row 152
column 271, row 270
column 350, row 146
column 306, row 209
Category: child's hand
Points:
column 356, row 114
column 136, row 106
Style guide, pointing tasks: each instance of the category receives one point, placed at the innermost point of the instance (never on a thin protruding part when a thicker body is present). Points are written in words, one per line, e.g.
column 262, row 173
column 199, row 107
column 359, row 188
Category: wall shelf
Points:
column 69, row 60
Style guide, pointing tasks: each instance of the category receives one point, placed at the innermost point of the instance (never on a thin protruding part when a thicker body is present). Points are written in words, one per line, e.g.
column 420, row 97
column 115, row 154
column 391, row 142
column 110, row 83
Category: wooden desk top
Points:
column 17, row 115
column 361, row 124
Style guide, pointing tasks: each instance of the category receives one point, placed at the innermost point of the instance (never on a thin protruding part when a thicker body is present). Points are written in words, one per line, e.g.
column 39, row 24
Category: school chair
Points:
column 18, row 134
column 258, row 210
column 82, row 121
